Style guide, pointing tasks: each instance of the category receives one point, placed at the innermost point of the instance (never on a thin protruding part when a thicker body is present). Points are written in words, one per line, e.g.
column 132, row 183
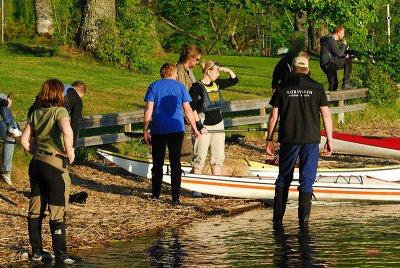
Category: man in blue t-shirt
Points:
column 165, row 99
column 298, row 103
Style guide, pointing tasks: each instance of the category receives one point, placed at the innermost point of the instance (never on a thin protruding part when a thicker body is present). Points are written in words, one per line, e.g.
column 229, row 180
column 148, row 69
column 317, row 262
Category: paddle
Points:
column 73, row 198
column 78, row 197
column 13, row 203
column 135, row 134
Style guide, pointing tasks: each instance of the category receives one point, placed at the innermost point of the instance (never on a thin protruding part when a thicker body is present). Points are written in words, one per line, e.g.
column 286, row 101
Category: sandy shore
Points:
column 118, row 207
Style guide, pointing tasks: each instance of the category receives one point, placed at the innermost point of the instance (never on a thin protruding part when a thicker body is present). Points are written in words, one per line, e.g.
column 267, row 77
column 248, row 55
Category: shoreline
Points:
column 118, row 208
column 118, row 205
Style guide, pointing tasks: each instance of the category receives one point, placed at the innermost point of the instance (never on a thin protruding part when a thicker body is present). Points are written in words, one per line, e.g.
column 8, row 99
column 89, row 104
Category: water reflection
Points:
column 339, row 234
column 294, row 249
column 166, row 251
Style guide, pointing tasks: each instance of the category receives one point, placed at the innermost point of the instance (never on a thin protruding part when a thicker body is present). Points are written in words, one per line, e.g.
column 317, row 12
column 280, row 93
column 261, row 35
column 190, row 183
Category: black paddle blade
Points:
column 78, row 198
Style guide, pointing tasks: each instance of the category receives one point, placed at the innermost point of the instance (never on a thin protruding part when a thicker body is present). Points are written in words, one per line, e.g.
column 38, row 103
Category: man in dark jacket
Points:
column 298, row 103
column 283, row 69
column 333, row 58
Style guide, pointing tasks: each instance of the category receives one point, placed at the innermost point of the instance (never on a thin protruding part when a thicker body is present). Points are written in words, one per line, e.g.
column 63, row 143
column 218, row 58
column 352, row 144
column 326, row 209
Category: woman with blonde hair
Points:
column 207, row 103
column 48, row 137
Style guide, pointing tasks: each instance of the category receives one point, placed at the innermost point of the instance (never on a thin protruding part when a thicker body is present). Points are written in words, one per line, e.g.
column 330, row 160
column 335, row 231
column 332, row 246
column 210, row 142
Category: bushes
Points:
column 130, row 42
column 383, row 91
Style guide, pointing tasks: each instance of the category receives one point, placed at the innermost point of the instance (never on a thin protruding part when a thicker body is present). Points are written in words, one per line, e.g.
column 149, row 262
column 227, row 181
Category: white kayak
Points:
column 331, row 184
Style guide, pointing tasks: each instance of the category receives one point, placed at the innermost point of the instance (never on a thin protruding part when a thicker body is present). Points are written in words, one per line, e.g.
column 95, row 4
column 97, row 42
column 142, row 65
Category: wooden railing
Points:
column 260, row 106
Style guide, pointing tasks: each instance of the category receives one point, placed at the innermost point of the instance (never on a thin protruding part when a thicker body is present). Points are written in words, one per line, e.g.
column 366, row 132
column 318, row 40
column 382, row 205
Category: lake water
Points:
column 340, row 235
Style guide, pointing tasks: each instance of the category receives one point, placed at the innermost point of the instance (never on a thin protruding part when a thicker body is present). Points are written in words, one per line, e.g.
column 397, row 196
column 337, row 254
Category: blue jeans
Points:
column 308, row 164
column 8, row 149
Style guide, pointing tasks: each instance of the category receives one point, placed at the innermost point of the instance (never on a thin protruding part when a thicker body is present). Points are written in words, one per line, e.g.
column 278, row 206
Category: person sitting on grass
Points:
column 12, row 127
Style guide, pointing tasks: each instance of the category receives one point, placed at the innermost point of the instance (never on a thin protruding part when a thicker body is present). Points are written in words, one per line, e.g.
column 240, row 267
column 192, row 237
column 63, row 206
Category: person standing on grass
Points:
column 166, row 99
column 73, row 103
column 188, row 59
column 207, row 103
column 283, row 69
column 298, row 103
column 48, row 136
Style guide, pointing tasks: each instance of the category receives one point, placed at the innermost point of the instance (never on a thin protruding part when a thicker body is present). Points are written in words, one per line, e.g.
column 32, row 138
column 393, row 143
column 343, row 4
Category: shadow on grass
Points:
column 37, row 51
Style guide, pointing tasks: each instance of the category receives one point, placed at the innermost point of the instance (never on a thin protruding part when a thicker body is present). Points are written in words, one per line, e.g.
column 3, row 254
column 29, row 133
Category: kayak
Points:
column 388, row 147
column 373, row 184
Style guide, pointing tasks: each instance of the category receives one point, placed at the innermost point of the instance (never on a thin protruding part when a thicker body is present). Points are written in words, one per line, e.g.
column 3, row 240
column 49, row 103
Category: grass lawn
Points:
column 115, row 90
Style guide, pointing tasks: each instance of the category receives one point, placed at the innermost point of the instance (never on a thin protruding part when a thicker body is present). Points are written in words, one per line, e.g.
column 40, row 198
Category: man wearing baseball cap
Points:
column 298, row 104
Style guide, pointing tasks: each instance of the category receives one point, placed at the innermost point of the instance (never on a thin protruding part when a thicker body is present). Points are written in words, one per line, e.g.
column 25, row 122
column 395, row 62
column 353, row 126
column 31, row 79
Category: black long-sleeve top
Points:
column 330, row 49
column 3, row 102
column 73, row 104
column 282, row 71
column 212, row 117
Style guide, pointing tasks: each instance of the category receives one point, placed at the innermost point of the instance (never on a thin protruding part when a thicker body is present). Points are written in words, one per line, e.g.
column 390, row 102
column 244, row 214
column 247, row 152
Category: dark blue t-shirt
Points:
column 168, row 96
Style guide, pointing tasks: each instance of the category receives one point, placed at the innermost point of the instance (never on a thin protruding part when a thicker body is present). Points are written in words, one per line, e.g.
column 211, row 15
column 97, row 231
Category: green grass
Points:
column 115, row 90
column 23, row 70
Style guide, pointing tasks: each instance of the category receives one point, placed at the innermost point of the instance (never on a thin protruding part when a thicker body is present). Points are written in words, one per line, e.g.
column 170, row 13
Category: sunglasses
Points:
column 215, row 64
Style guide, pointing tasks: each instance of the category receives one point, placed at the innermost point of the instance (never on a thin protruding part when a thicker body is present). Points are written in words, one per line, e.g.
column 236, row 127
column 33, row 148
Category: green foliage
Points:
column 129, row 42
column 136, row 148
column 19, row 18
column 85, row 154
column 218, row 27
column 67, row 17
column 383, row 91
column 387, row 58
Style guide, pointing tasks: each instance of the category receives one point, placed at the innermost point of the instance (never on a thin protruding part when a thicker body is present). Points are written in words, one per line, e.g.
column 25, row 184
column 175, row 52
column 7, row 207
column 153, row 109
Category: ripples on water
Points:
column 340, row 234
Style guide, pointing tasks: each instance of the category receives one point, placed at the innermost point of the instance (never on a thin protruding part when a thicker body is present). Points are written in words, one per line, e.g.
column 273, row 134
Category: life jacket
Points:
column 212, row 98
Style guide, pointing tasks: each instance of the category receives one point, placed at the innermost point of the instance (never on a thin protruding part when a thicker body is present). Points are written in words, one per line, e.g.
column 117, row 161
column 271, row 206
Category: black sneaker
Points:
column 155, row 199
column 176, row 203
column 45, row 256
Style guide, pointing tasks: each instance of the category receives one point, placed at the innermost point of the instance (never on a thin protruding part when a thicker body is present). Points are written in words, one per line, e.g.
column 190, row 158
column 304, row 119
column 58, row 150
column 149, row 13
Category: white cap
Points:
column 300, row 62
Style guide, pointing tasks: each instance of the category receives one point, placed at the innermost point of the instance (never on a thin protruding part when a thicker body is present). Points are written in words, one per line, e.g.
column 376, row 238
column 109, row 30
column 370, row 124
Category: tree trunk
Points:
column 321, row 31
column 44, row 25
column 95, row 12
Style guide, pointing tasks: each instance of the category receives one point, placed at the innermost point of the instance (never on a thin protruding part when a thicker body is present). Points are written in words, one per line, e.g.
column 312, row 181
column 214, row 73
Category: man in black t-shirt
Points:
column 298, row 103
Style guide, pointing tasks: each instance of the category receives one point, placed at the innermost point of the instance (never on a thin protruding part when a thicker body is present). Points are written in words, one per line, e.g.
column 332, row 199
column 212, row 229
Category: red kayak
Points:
column 365, row 145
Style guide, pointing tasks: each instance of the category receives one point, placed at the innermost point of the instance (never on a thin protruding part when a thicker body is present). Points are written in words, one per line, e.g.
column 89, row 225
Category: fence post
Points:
column 263, row 113
column 128, row 127
column 341, row 115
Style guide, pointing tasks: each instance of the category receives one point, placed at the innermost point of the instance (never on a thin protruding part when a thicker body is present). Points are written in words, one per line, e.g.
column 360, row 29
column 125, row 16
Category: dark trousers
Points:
column 159, row 143
column 331, row 72
column 308, row 163
column 50, row 187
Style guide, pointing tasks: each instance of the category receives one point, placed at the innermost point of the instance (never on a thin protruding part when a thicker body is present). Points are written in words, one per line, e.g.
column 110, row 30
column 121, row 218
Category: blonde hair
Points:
column 52, row 93
column 168, row 69
column 207, row 65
